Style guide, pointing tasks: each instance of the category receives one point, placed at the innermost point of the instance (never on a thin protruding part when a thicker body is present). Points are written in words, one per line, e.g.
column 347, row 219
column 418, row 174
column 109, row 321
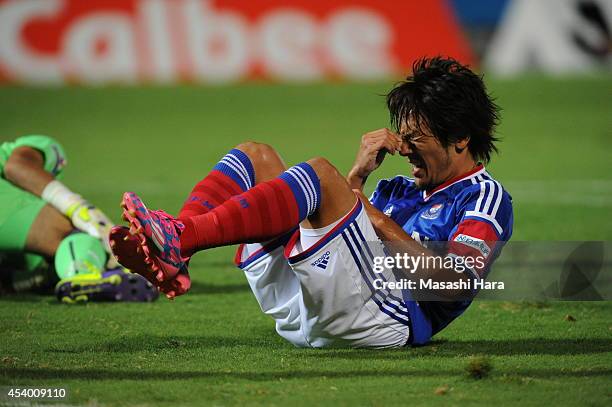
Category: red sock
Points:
column 233, row 175
column 209, row 193
column 261, row 213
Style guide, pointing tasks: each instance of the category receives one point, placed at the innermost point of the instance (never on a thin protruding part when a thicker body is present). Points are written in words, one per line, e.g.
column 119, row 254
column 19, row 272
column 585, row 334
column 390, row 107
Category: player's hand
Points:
column 92, row 221
column 374, row 146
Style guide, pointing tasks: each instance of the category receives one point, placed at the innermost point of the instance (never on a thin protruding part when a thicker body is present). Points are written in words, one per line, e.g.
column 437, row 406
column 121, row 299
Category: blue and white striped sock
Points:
column 304, row 182
column 238, row 167
column 233, row 175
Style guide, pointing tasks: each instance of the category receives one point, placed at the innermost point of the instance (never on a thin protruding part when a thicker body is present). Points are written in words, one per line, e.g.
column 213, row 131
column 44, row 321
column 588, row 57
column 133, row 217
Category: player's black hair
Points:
column 451, row 100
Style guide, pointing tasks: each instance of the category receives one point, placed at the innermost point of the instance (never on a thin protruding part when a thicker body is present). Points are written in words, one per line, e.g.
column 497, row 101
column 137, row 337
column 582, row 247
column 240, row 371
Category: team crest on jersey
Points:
column 389, row 210
column 474, row 243
column 322, row 261
column 433, row 212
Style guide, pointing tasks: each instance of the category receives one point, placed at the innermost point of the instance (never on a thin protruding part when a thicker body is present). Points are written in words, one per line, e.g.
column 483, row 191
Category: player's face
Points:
column 431, row 162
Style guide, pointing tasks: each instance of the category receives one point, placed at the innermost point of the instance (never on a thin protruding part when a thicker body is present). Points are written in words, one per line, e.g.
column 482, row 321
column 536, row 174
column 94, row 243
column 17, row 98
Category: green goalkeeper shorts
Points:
column 18, row 210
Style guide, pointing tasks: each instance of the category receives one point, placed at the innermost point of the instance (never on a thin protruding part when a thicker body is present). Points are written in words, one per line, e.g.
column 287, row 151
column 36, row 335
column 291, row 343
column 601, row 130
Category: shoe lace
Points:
column 91, row 268
column 166, row 216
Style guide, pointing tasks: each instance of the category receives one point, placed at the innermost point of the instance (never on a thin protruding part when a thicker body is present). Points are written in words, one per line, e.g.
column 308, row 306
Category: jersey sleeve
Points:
column 381, row 194
column 484, row 224
column 52, row 151
column 388, row 190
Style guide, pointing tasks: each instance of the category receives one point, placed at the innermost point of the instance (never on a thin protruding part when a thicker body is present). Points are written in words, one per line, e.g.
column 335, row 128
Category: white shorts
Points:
column 324, row 296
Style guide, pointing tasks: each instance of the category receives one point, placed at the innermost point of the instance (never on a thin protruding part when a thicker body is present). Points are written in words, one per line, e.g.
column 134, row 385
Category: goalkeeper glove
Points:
column 83, row 215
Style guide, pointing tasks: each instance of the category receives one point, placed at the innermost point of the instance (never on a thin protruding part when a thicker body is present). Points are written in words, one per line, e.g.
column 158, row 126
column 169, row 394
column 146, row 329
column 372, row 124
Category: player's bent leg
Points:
column 235, row 173
column 267, row 162
column 337, row 198
column 263, row 212
column 47, row 231
column 244, row 166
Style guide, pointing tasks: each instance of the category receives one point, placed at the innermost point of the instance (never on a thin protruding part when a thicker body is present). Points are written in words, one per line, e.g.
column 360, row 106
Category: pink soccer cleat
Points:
column 129, row 253
column 159, row 236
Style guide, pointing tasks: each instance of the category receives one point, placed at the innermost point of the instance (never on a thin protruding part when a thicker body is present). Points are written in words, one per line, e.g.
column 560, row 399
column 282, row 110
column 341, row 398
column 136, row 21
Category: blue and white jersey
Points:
column 472, row 212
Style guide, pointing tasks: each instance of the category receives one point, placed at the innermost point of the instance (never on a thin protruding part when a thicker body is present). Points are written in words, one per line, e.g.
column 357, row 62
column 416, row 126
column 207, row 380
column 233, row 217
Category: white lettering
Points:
column 360, row 44
column 15, row 55
column 100, row 48
column 289, row 41
column 217, row 42
column 157, row 30
column 167, row 40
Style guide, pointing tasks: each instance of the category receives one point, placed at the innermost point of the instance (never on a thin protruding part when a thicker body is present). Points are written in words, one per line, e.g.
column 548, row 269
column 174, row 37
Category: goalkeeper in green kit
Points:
column 42, row 220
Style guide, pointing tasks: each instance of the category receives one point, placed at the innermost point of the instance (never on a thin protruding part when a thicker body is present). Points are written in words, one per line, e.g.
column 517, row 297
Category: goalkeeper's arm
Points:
column 25, row 169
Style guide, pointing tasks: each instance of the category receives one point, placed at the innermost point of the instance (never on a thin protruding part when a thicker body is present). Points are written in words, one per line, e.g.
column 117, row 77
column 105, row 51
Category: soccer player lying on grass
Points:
column 41, row 218
column 317, row 282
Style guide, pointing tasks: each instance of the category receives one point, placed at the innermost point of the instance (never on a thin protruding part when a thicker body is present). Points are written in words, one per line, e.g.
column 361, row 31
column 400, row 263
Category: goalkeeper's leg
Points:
column 29, row 225
column 74, row 252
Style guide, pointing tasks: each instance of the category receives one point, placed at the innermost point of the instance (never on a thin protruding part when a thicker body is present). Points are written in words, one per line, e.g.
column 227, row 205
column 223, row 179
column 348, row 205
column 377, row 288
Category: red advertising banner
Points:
column 165, row 41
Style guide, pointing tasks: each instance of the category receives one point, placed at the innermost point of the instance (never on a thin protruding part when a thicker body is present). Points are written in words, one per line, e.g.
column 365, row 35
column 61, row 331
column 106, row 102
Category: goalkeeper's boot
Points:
column 127, row 249
column 111, row 285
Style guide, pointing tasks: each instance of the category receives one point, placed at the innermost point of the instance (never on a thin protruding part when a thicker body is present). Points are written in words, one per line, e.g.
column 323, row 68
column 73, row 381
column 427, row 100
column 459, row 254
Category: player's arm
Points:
column 372, row 150
column 25, row 169
column 402, row 243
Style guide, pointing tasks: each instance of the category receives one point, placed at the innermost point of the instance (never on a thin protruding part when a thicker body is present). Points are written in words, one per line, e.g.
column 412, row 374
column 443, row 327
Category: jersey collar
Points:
column 480, row 169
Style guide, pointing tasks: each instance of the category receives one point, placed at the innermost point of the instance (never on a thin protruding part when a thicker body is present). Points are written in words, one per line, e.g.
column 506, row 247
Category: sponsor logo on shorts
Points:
column 433, row 212
column 322, row 261
column 475, row 243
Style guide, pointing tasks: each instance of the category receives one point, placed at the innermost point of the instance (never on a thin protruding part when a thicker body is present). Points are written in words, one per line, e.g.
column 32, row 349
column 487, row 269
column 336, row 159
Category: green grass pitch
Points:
column 214, row 347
